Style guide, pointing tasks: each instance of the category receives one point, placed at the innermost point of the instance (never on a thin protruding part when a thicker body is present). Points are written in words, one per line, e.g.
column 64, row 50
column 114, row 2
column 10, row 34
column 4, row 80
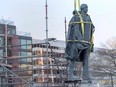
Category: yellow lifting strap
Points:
column 79, row 5
column 80, row 41
column 82, row 24
column 81, row 19
column 74, row 4
column 92, row 39
column 75, row 1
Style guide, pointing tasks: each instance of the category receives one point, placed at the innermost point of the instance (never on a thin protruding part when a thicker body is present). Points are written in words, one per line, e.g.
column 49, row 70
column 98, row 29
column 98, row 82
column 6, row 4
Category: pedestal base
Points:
column 79, row 83
column 72, row 83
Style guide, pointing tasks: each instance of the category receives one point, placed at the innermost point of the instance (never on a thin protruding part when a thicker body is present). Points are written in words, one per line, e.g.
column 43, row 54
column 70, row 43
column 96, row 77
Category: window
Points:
column 23, row 60
column 35, row 72
column 23, row 43
column 1, row 41
column 1, row 69
column 1, row 52
column 11, row 31
column 1, row 30
column 34, row 62
column 29, row 42
column 29, row 59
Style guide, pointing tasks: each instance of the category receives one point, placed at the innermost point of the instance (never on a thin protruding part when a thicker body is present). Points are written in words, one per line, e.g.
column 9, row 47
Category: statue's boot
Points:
column 71, row 70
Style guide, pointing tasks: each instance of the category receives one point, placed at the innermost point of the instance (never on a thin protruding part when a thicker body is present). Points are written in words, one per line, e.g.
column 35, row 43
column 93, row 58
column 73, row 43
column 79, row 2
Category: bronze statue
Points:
column 79, row 41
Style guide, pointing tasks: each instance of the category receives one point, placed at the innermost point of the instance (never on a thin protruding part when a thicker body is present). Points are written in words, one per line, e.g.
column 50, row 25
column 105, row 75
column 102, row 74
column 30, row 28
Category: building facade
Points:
column 15, row 52
column 48, row 70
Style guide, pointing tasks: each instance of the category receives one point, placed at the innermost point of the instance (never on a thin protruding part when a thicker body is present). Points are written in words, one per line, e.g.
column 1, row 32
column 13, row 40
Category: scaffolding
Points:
column 45, row 68
column 55, row 73
column 52, row 76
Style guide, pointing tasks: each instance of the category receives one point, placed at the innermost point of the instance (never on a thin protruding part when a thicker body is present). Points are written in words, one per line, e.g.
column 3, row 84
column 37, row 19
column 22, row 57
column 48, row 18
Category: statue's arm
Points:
column 92, row 26
column 70, row 29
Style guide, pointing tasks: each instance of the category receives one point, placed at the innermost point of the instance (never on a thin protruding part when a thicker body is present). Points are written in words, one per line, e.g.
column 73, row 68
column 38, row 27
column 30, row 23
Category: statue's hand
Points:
column 83, row 46
column 80, row 46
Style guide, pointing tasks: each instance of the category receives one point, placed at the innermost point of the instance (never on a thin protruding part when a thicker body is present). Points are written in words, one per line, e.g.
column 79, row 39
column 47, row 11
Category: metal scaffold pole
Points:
column 46, row 11
column 27, row 83
column 6, row 31
column 65, row 28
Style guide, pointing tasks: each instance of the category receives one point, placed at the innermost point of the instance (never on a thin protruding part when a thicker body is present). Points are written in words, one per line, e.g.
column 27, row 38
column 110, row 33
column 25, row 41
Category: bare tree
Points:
column 104, row 61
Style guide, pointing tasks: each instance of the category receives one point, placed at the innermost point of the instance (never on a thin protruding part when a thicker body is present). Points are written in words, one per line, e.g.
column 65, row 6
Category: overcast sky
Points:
column 29, row 16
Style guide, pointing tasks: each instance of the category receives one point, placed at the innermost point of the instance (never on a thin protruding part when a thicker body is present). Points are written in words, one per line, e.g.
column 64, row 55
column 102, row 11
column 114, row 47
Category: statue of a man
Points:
column 79, row 41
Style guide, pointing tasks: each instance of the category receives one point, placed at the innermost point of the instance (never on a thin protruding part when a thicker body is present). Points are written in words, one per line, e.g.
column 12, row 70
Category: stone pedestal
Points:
column 72, row 83
column 79, row 83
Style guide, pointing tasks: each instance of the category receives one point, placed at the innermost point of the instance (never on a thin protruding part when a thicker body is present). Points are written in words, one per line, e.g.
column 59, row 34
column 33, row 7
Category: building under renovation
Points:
column 48, row 71
column 25, row 64
column 13, row 56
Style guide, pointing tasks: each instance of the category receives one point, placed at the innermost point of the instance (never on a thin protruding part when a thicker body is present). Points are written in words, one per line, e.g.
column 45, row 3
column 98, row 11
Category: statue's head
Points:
column 84, row 8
